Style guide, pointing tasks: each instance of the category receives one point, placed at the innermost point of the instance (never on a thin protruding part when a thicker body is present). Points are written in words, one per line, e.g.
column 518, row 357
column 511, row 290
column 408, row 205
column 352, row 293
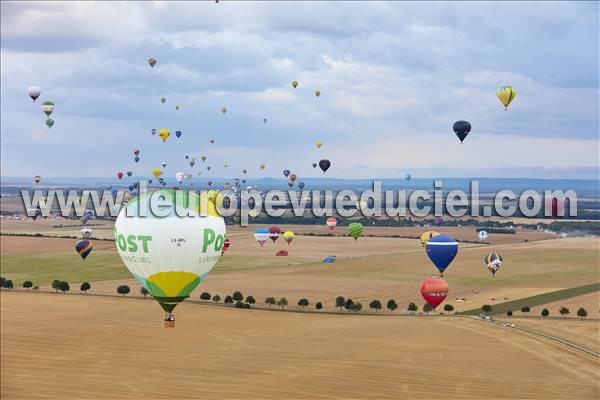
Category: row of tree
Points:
column 563, row 311
column 237, row 298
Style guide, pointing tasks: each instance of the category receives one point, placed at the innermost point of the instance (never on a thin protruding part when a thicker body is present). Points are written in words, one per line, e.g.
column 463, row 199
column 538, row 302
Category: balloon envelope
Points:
column 441, row 250
column 493, row 262
column 355, row 229
column 461, row 129
column 34, row 92
column 84, row 248
column 506, row 94
column 434, row 290
column 331, row 223
column 324, row 165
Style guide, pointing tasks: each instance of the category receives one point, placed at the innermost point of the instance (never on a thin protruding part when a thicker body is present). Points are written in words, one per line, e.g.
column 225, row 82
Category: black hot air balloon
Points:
column 462, row 129
column 324, row 165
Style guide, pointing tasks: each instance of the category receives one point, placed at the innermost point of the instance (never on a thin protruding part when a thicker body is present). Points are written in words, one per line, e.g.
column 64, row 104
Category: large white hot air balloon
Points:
column 167, row 254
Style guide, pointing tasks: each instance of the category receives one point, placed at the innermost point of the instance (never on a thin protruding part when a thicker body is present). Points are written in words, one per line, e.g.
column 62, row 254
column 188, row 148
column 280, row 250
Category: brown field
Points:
column 91, row 347
column 14, row 245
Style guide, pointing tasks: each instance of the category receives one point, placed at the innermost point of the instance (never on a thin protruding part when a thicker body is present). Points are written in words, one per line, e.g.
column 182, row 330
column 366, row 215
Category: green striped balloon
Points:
column 355, row 230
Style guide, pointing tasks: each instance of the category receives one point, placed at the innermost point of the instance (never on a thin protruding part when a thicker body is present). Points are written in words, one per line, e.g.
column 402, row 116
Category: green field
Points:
column 539, row 300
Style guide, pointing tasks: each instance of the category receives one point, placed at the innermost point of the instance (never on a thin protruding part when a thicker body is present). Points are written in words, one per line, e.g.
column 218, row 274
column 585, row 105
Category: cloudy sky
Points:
column 393, row 79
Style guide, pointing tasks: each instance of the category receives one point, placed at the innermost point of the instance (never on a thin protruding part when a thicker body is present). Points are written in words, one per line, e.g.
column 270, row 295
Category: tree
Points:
column 509, row 313
column 216, row 298
column 282, row 302
column 239, row 304
column 340, row 302
column 564, row 311
column 303, row 302
column 36, row 288
column 27, row 285
column 85, row 286
column 412, row 307
column 270, row 301
column 123, row 290
column 357, row 307
column 238, row 296
column 8, row 284
column 486, row 308
column 582, row 313
column 348, row 304
column 205, row 296
column 56, row 285
column 391, row 305
column 375, row 305
column 545, row 312
column 319, row 306
column 64, row 286
column 144, row 291
column 525, row 309
column 448, row 307
column 250, row 300
column 427, row 308
column 228, row 299
column 2, row 280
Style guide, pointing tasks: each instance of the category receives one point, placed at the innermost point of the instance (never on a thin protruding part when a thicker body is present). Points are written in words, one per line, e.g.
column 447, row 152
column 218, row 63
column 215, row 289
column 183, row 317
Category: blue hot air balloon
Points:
column 286, row 172
column 114, row 192
column 178, row 133
column 441, row 250
column 153, row 131
column 131, row 187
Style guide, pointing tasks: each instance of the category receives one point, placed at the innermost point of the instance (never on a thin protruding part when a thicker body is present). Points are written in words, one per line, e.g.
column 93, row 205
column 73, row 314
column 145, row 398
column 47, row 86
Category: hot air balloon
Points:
column 225, row 164
column 426, row 236
column 408, row 177
column 317, row 93
column 34, row 92
column 253, row 213
column 50, row 122
column 355, row 229
column 288, row 236
column 136, row 159
column 294, row 84
column 212, row 141
column 152, row 62
column 179, row 177
column 286, row 172
column 203, row 158
column 244, row 171
column 192, row 162
column 261, row 235
column 48, row 107
column 274, row 232
column 153, row 131
column 226, row 245
column 136, row 152
column 324, row 165
column 331, row 223
column 164, row 134
column 119, row 175
column 262, row 166
column 129, row 173
column 84, row 248
column 209, row 183
column 483, row 235
column 178, row 134
column 37, row 178
column 177, row 252
column 223, row 110
column 157, row 172
column 86, row 232
column 461, row 129
column 493, row 261
column 208, row 168
column 164, row 164
column 163, row 100
column 506, row 94
column 301, row 185
column 441, row 250
column 293, row 177
column 434, row 290
column 264, row 120
column 318, row 144
column 314, row 165
column 177, row 107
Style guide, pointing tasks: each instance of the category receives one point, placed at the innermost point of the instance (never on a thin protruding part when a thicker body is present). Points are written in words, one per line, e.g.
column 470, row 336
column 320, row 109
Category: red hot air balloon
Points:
column 331, row 223
column 226, row 245
column 434, row 291
column 120, row 175
column 274, row 233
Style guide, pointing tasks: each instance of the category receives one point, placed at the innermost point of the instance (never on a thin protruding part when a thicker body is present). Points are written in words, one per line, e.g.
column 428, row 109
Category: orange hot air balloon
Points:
column 434, row 290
